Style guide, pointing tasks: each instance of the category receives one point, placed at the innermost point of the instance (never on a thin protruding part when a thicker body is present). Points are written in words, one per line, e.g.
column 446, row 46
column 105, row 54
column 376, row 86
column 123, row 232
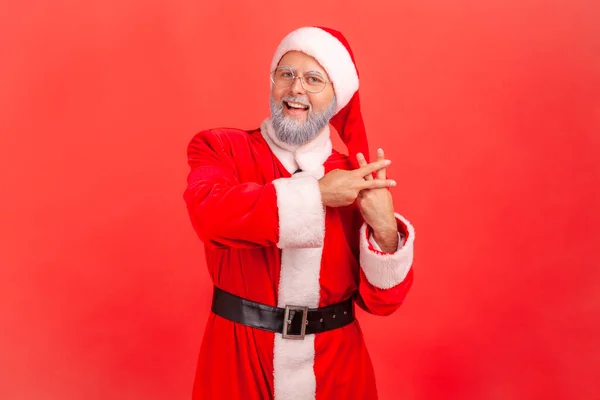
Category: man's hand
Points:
column 377, row 207
column 340, row 188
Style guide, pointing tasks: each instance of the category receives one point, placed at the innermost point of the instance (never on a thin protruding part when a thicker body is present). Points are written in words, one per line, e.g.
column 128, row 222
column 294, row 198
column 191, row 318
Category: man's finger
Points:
column 374, row 166
column 381, row 173
column 378, row 184
column 362, row 161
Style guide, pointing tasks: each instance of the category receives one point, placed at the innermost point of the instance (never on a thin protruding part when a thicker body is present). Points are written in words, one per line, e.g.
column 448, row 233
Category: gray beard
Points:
column 295, row 133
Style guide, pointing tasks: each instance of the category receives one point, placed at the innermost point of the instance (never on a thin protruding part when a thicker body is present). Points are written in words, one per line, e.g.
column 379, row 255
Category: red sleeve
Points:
column 379, row 301
column 223, row 211
column 385, row 278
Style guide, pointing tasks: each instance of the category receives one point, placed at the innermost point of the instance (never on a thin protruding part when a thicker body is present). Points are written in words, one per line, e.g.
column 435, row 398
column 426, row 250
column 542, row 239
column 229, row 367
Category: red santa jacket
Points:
column 269, row 239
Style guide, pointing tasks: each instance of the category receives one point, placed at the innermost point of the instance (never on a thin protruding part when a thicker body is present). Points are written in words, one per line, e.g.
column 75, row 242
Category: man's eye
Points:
column 314, row 79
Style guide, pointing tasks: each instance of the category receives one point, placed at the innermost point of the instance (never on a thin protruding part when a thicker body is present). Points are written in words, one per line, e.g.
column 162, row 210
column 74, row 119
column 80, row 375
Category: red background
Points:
column 490, row 111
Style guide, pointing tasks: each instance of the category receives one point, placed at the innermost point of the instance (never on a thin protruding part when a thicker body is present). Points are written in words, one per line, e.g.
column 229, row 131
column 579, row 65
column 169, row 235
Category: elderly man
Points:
column 295, row 235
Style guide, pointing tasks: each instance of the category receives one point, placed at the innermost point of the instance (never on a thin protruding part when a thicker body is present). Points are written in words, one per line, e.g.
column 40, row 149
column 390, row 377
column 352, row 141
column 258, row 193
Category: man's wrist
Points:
column 387, row 239
column 324, row 196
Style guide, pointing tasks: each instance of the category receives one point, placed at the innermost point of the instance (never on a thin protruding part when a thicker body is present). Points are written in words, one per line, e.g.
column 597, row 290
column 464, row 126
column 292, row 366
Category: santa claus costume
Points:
column 270, row 240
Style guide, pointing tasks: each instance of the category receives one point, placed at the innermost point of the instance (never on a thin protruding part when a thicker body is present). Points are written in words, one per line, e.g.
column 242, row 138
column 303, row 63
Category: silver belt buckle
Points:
column 287, row 321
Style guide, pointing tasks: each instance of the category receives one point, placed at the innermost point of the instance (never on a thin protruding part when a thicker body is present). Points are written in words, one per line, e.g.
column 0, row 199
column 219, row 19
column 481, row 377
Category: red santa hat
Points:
column 331, row 49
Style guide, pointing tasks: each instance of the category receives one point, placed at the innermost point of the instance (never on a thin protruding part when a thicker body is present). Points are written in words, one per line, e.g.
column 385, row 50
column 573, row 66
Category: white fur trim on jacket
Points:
column 302, row 230
column 293, row 360
column 301, row 212
column 387, row 270
column 330, row 53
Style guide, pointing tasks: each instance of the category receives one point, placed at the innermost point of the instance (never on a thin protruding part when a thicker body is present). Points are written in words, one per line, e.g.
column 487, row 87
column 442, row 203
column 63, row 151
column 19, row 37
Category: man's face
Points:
column 302, row 64
column 299, row 115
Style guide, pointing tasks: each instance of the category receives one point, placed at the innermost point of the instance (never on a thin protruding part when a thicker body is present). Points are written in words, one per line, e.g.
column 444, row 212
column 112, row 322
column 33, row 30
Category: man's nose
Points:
column 297, row 86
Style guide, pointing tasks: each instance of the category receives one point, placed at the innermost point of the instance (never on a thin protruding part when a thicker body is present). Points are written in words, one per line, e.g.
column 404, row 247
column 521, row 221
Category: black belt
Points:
column 293, row 322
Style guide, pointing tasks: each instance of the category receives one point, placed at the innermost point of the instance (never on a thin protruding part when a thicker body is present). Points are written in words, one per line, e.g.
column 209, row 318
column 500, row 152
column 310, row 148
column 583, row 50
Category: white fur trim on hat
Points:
column 330, row 53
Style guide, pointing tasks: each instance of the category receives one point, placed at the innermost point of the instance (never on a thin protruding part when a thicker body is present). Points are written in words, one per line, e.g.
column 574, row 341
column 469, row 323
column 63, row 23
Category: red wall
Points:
column 490, row 111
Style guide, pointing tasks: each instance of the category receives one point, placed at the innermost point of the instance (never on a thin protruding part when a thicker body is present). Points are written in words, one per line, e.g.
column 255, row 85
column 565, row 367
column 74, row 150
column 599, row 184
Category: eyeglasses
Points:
column 312, row 82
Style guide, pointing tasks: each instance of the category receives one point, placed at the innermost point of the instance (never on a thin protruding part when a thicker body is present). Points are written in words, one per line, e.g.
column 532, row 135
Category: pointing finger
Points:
column 378, row 184
column 363, row 162
column 381, row 173
column 374, row 166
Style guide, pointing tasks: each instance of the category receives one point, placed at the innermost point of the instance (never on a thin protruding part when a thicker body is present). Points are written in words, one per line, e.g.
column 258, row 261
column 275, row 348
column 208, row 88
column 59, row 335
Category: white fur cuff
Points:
column 385, row 270
column 301, row 212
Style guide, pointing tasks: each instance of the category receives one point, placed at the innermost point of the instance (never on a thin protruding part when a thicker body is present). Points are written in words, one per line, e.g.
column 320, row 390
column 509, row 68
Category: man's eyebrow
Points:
column 315, row 72
column 307, row 72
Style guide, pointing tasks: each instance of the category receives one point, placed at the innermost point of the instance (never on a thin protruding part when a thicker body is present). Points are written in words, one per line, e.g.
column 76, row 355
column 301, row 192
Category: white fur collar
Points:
column 308, row 157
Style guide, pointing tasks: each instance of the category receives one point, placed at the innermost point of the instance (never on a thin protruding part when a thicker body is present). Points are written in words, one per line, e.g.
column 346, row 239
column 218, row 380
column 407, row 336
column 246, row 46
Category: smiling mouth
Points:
column 295, row 106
